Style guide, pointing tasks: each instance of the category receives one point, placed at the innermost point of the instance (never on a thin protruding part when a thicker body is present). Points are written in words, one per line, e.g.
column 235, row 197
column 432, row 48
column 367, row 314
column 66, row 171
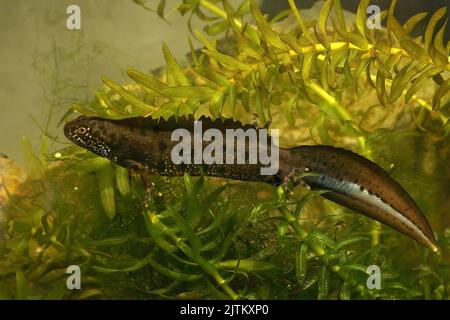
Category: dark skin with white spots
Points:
column 351, row 180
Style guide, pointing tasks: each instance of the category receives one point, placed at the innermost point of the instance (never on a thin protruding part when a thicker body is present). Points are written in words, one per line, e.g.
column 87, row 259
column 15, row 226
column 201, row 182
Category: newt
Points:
column 349, row 179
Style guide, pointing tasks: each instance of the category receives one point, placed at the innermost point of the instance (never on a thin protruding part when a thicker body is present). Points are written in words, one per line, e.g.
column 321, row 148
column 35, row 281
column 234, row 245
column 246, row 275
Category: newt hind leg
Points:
column 145, row 176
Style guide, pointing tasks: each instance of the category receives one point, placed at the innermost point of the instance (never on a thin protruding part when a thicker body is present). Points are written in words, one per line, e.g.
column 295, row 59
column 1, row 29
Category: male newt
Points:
column 350, row 179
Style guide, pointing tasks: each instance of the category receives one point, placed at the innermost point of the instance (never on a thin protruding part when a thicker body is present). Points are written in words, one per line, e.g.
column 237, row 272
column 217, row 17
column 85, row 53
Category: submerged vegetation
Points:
column 381, row 92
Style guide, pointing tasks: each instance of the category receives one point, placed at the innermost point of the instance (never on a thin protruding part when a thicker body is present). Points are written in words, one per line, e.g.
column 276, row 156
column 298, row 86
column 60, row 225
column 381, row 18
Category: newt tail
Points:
column 351, row 180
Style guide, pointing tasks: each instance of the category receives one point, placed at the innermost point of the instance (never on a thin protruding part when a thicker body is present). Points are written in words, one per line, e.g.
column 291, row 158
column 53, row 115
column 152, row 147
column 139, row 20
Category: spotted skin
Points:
column 351, row 180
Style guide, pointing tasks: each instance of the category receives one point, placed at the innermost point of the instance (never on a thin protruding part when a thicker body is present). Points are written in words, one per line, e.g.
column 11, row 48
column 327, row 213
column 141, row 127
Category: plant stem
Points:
column 213, row 8
column 375, row 229
column 212, row 271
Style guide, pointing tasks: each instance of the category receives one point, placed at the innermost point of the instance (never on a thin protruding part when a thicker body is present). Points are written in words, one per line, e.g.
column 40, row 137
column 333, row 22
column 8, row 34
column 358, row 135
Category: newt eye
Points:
column 82, row 130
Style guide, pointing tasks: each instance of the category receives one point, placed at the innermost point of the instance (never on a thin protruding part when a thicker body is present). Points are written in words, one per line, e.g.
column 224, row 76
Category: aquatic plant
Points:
column 373, row 91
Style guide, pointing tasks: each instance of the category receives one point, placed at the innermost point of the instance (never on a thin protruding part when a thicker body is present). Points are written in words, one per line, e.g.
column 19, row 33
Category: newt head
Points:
column 91, row 133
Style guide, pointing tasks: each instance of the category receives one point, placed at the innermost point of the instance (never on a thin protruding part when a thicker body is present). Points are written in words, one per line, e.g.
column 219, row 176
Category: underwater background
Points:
column 209, row 238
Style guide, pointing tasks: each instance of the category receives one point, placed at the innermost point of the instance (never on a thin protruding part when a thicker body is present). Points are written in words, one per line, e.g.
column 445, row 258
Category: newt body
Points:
column 352, row 180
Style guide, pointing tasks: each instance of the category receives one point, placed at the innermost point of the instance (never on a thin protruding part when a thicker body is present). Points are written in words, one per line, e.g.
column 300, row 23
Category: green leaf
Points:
column 216, row 105
column 244, row 45
column 323, row 239
column 175, row 76
column 228, row 61
column 287, row 110
column 383, row 46
column 390, row 19
column 281, row 229
column 303, row 200
column 393, row 25
column 432, row 24
column 355, row 267
column 414, row 50
column 348, row 73
column 301, row 264
column 89, row 294
column 439, row 41
column 194, row 55
column 280, row 16
column 212, row 197
column 187, row 229
column 33, row 166
column 161, row 8
column 243, row 8
column 401, row 80
column 345, row 242
column 339, row 15
column 111, row 241
column 354, row 39
column 323, row 283
column 112, row 111
column 156, row 229
column 321, row 26
column 444, row 89
column 57, row 292
column 216, row 28
column 232, row 98
column 142, row 4
column 380, row 87
column 361, row 17
column 128, row 96
column 122, row 179
column 437, row 57
column 167, row 110
column 266, row 31
column 420, row 81
column 308, row 60
column 324, row 73
column 106, row 188
column 201, row 93
column 447, row 128
column 413, row 21
column 84, row 110
column 146, row 80
column 21, row 285
column 155, row 265
column 260, row 106
column 213, row 77
column 362, row 65
column 390, row 64
column 300, row 22
column 323, row 130
column 369, row 75
column 438, row 293
column 345, row 291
